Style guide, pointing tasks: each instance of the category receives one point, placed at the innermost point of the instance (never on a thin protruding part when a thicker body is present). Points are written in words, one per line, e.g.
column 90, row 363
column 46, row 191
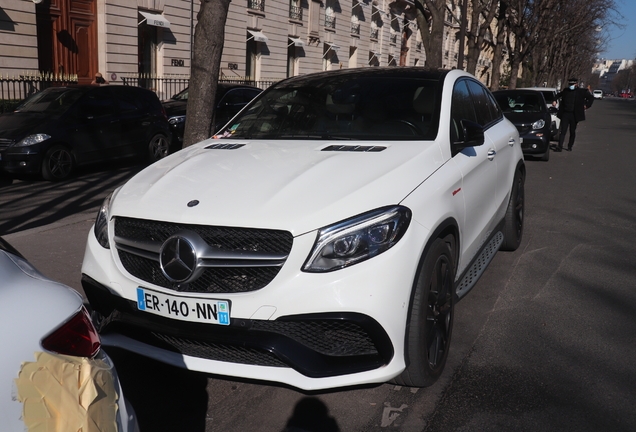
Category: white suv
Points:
column 321, row 239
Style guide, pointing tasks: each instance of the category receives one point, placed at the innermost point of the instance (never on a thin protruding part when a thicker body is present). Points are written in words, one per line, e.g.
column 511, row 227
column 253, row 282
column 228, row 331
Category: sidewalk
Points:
column 57, row 249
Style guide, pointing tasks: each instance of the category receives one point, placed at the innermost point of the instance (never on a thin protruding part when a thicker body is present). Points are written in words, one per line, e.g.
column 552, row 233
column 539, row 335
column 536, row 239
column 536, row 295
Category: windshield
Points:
column 342, row 107
column 520, row 102
column 52, row 101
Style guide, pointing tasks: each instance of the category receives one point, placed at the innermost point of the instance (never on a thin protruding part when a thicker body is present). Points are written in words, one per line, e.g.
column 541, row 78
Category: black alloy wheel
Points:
column 513, row 222
column 431, row 317
column 158, row 147
column 58, row 164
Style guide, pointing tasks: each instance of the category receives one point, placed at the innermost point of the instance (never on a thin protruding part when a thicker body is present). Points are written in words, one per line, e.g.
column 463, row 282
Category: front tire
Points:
column 513, row 222
column 432, row 313
column 158, row 147
column 58, row 164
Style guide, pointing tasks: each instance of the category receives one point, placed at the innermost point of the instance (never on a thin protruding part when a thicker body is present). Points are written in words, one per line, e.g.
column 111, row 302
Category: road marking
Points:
column 390, row 414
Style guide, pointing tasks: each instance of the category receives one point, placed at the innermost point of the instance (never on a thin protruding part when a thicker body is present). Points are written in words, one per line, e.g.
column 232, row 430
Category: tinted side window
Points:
column 233, row 97
column 461, row 109
column 249, row 94
column 483, row 108
column 98, row 103
column 127, row 102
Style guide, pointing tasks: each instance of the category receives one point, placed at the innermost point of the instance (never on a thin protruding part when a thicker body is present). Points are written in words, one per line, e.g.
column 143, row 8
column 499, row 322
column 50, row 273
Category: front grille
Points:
column 231, row 279
column 5, row 143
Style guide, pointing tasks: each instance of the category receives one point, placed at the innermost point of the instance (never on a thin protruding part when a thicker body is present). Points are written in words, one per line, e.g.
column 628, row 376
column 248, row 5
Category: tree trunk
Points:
column 430, row 20
column 482, row 15
column 209, row 37
column 499, row 45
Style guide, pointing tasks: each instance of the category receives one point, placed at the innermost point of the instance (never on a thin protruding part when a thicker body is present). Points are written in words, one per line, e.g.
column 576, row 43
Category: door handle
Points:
column 491, row 154
column 511, row 142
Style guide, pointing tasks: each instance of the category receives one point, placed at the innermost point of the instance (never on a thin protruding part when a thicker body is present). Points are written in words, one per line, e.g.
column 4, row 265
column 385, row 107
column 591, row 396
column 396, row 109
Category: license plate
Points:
column 209, row 311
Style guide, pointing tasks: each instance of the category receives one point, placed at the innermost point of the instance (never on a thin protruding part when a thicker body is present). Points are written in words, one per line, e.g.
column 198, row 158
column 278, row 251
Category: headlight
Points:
column 33, row 139
column 357, row 239
column 176, row 120
column 101, row 223
column 538, row 124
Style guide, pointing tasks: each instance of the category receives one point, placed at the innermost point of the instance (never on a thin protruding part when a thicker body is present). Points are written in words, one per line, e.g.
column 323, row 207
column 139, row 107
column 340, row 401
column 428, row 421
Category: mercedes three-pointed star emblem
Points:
column 178, row 259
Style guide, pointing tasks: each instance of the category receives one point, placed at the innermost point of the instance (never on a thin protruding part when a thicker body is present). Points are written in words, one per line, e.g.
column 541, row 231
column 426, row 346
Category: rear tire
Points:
column 513, row 222
column 432, row 313
column 58, row 164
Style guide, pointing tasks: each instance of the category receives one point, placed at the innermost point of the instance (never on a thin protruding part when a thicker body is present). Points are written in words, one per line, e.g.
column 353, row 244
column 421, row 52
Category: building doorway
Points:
column 67, row 38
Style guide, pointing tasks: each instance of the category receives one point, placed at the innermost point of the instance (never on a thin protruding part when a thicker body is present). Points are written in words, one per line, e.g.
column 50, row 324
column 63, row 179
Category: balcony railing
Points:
column 355, row 28
column 258, row 5
column 375, row 33
column 330, row 21
column 296, row 13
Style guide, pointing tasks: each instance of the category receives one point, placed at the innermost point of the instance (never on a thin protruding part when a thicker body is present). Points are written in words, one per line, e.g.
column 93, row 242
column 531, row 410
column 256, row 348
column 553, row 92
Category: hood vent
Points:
column 224, row 146
column 349, row 148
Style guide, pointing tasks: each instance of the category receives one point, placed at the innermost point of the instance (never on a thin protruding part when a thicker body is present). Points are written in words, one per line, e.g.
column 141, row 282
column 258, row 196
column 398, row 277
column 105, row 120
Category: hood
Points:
column 174, row 107
column 289, row 185
column 17, row 125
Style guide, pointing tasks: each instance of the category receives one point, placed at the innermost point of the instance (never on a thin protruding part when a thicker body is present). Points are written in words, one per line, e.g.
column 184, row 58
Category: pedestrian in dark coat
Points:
column 574, row 102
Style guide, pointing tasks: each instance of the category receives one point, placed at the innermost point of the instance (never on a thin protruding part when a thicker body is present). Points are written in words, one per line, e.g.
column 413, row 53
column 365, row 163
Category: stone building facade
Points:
column 265, row 40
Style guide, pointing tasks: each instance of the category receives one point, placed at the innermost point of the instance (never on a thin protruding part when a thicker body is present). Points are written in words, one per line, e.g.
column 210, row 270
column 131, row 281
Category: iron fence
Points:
column 15, row 90
column 166, row 87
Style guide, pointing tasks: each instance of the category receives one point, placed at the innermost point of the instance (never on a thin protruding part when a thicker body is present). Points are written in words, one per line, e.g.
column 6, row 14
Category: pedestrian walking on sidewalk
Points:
column 574, row 102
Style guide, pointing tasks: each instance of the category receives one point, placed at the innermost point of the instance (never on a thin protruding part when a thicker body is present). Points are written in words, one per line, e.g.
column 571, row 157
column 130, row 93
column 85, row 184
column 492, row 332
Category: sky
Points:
column 622, row 43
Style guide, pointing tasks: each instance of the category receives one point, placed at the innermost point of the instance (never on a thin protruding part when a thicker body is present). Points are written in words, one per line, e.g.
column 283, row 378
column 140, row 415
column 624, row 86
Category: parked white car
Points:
column 598, row 94
column 321, row 239
column 53, row 374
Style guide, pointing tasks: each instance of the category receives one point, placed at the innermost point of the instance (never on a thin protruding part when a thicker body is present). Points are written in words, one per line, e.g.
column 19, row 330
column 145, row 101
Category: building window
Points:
column 258, row 5
column 147, row 52
column 353, row 57
column 329, row 56
column 292, row 60
column 295, row 11
column 374, row 59
column 251, row 59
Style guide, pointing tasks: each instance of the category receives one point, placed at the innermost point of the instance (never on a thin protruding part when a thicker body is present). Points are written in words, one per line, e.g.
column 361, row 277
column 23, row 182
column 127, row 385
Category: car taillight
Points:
column 77, row 337
column 163, row 111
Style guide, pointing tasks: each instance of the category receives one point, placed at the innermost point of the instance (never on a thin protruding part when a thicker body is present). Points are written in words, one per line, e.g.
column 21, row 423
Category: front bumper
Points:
column 315, row 345
column 533, row 144
column 20, row 162
column 310, row 331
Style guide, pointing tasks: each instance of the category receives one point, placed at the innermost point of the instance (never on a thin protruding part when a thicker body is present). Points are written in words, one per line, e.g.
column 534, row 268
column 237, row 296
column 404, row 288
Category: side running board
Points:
column 479, row 265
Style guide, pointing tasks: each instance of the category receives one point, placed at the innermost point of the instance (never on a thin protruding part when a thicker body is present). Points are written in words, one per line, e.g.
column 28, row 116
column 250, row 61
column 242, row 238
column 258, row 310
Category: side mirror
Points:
column 471, row 134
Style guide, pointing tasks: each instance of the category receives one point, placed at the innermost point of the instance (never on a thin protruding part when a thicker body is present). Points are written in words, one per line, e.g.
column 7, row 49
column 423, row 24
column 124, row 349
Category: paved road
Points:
column 544, row 342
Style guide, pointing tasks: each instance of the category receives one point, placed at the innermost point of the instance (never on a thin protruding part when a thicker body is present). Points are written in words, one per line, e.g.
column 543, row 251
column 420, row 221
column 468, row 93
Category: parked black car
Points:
column 231, row 98
column 59, row 128
column 527, row 110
